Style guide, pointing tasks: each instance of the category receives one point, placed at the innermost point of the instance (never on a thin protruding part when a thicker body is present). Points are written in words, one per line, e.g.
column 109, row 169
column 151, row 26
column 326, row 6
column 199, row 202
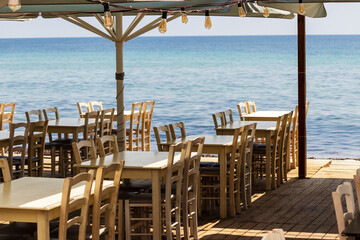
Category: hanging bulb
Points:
column 266, row 12
column 242, row 11
column 301, row 9
column 14, row 5
column 108, row 20
column 208, row 24
column 162, row 26
column 184, row 18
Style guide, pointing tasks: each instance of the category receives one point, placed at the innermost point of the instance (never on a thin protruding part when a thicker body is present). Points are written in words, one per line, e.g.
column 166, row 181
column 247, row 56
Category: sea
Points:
column 192, row 77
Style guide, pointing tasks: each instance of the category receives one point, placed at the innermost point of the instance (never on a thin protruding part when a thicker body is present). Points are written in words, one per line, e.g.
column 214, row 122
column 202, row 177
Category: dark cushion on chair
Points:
column 207, row 164
column 73, row 232
column 6, row 157
column 136, row 186
column 63, row 140
column 19, row 230
column 17, row 160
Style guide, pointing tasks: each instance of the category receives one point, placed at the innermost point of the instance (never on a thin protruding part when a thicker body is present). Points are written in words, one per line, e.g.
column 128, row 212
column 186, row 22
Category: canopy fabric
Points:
column 313, row 10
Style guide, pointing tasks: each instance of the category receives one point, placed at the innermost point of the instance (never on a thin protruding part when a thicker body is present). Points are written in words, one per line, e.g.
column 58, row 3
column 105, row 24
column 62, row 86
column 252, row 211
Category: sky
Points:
column 341, row 19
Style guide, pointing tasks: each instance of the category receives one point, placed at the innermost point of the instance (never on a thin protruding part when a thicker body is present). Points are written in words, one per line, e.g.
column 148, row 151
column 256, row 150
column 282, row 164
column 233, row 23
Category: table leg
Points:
column 156, row 204
column 268, row 160
column 43, row 230
column 223, row 170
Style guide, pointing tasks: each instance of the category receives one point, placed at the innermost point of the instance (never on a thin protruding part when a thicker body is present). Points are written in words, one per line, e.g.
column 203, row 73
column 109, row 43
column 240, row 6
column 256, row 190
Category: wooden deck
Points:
column 302, row 207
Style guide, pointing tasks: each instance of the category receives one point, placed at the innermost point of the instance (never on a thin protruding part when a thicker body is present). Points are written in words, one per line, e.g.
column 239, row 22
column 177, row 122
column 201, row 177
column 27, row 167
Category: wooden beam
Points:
column 101, row 21
column 133, row 24
column 302, row 95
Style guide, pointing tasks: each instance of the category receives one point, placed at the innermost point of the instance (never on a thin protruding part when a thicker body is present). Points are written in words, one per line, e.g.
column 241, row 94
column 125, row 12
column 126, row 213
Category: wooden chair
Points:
column 95, row 104
column 190, row 189
column 107, row 145
column 173, row 128
column 146, row 120
column 5, row 171
column 36, row 113
column 342, row 218
column 219, row 117
column 171, row 202
column 157, row 131
column 6, row 116
column 105, row 201
column 82, row 105
column 228, row 116
column 276, row 234
column 36, row 148
column 243, row 109
column 71, row 224
column 285, row 150
column 133, row 132
column 106, row 124
column 251, row 106
column 17, row 143
column 84, row 150
column 210, row 176
column 91, row 129
column 244, row 187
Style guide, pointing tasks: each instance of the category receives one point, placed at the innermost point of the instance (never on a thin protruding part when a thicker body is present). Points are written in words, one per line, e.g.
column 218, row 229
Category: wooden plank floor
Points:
column 302, row 207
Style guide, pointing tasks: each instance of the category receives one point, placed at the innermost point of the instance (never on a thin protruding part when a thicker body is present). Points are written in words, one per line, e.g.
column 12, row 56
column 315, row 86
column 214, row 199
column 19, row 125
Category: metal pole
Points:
column 302, row 95
column 119, row 75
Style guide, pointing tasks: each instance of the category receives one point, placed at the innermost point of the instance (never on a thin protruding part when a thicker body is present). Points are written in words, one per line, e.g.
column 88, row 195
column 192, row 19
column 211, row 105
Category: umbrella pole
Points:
column 302, row 95
column 119, row 75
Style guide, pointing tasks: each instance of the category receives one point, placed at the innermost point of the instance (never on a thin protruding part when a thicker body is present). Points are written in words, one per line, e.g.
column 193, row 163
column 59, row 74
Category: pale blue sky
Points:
column 342, row 19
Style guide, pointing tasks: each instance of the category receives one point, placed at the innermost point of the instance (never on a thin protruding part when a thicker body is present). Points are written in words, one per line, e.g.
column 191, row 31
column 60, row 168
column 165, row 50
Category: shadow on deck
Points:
column 302, row 207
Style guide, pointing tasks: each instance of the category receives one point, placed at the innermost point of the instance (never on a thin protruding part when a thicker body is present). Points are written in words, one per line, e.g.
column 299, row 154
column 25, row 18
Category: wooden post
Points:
column 119, row 75
column 302, row 95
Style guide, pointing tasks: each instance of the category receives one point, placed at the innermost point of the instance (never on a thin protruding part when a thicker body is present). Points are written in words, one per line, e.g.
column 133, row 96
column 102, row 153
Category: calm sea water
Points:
column 192, row 77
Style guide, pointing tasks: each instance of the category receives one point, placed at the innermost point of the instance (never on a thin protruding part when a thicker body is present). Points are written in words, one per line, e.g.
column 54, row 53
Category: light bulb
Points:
column 14, row 5
column 242, row 11
column 162, row 26
column 266, row 12
column 302, row 9
column 108, row 20
column 208, row 24
column 184, row 18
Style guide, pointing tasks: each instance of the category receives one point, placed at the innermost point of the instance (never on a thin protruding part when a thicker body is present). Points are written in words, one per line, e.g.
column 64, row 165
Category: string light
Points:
column 184, row 18
column 266, row 12
column 108, row 20
column 162, row 26
column 14, row 5
column 301, row 8
column 242, row 11
column 208, row 24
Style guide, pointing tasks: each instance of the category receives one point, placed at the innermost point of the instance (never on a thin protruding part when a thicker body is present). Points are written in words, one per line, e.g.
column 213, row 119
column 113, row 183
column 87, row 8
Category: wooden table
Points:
column 353, row 229
column 139, row 165
column 5, row 137
column 214, row 144
column 72, row 126
column 34, row 199
column 264, row 129
column 264, row 115
column 127, row 115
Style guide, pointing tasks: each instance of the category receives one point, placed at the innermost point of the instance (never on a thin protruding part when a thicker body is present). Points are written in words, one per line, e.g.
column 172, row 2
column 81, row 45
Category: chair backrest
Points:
column 228, row 116
column 18, row 144
column 107, row 145
column 276, row 234
column 68, row 204
column 105, row 199
column 219, row 117
column 357, row 185
column 47, row 113
column 82, row 105
column 147, row 114
column 36, row 113
column 4, row 166
column 36, row 145
column 95, row 104
column 6, row 115
column 174, row 176
column 106, row 122
column 251, row 106
column 286, row 140
column 343, row 218
column 180, row 126
column 158, row 131
column 307, row 108
column 133, row 135
column 91, row 129
column 84, row 150
column 190, row 183
column 243, row 109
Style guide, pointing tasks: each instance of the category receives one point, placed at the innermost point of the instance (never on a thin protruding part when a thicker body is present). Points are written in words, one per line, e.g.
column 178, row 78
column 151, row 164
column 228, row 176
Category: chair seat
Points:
column 17, row 230
column 6, row 157
column 147, row 198
column 136, row 186
column 64, row 140
column 124, row 195
column 17, row 160
column 213, row 171
column 207, row 164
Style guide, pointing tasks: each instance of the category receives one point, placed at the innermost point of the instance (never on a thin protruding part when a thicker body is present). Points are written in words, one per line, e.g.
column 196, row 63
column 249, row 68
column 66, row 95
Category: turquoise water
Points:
column 192, row 77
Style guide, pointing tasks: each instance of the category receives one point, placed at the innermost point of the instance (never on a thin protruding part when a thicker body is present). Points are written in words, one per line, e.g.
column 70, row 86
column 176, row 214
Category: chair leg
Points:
column 120, row 220
column 127, row 220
